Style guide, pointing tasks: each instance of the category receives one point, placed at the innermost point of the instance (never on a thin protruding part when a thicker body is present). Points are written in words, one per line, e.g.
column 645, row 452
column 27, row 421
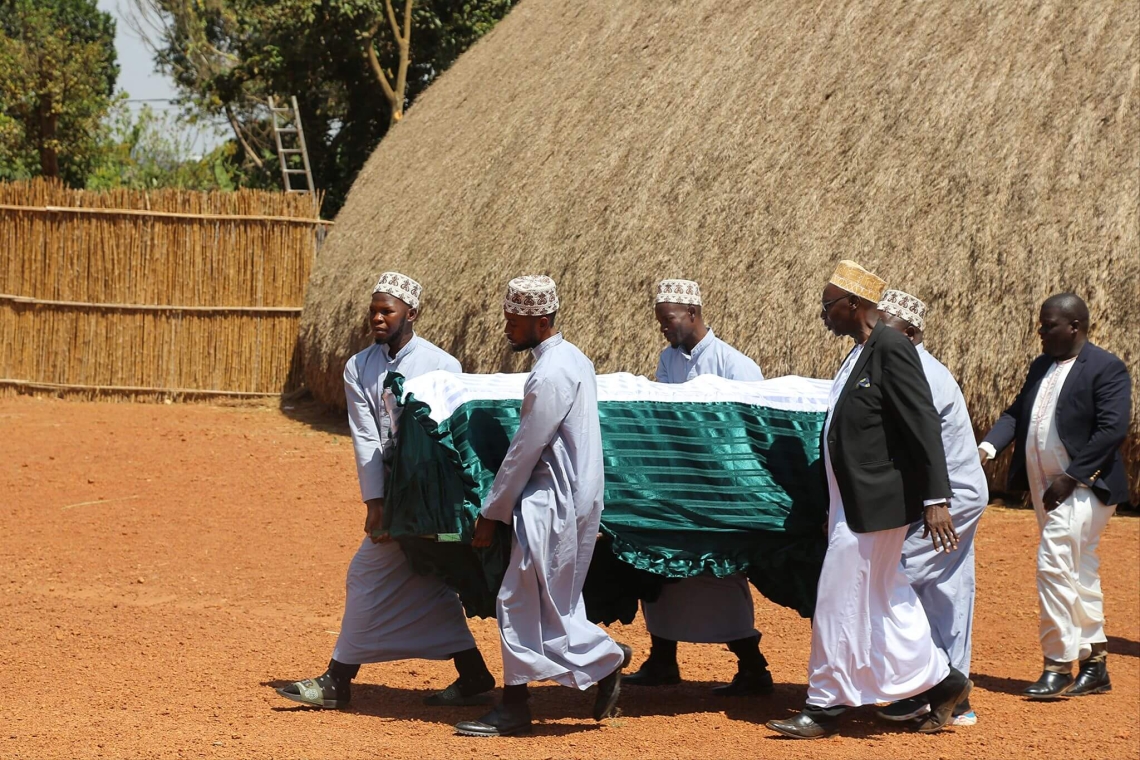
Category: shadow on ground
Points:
column 552, row 706
column 317, row 416
column 999, row 684
column 1122, row 646
column 394, row 705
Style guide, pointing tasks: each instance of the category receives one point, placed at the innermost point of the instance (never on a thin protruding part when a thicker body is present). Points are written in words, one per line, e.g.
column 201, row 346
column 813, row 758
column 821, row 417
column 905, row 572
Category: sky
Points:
column 139, row 79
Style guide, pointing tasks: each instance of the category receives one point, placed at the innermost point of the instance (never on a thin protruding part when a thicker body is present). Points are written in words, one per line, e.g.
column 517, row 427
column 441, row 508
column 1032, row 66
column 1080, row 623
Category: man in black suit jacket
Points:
column 886, row 468
column 1067, row 424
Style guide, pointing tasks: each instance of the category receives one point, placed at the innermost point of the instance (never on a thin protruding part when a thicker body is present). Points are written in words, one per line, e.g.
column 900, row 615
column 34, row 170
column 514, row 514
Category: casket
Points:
column 709, row 476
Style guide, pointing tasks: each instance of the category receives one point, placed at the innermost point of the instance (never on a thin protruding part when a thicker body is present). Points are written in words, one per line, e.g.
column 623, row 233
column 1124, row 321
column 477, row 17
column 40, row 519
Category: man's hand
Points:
column 484, row 532
column 374, row 520
column 983, row 455
column 938, row 524
column 1060, row 489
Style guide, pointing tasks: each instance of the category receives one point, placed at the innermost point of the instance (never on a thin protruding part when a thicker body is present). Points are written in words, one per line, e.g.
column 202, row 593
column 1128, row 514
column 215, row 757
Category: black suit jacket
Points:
column 885, row 437
column 1092, row 420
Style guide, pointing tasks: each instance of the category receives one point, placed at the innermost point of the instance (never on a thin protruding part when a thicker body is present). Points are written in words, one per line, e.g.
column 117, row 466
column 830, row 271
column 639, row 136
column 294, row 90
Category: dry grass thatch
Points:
column 78, row 291
column 980, row 154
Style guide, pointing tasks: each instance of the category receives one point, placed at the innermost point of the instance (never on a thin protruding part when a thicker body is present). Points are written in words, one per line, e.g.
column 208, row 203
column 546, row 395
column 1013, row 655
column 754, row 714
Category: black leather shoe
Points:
column 802, row 726
column 1091, row 679
column 747, row 684
column 943, row 698
column 461, row 694
column 655, row 673
column 504, row 720
column 1050, row 686
column 609, row 688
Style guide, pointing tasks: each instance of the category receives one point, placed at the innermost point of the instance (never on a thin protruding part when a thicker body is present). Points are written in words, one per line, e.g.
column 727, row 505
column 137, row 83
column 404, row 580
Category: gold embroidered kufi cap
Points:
column 858, row 281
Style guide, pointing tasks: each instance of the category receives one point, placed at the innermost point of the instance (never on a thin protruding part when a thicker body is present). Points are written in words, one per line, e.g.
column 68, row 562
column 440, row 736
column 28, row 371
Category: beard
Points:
column 393, row 333
column 526, row 345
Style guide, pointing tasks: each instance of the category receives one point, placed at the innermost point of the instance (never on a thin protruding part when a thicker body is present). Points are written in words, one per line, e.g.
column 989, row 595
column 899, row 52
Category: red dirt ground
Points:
column 162, row 566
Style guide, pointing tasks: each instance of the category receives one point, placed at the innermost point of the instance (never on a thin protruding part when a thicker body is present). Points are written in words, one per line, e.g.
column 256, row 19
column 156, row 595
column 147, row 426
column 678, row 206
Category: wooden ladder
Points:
column 287, row 131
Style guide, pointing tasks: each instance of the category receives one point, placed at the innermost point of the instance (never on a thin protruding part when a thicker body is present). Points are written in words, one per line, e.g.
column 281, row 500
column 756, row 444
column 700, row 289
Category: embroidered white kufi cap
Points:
column 904, row 306
column 533, row 295
column 679, row 291
column 401, row 286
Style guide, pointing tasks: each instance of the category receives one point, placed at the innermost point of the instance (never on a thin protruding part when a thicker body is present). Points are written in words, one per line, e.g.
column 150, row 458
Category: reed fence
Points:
column 141, row 293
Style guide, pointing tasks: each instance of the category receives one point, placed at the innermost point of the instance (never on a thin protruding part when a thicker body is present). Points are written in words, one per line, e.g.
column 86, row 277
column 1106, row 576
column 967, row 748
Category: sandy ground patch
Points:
column 161, row 566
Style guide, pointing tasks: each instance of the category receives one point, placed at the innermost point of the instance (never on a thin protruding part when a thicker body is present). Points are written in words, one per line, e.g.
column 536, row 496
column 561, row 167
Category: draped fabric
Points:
column 710, row 475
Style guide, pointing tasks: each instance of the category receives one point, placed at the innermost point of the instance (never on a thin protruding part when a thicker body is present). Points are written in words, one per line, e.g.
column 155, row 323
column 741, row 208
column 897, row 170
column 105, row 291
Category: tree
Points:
column 395, row 88
column 57, row 74
column 151, row 150
column 353, row 78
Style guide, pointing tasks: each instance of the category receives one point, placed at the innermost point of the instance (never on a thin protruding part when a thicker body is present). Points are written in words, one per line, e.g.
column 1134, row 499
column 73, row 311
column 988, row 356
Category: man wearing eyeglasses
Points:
column 885, row 469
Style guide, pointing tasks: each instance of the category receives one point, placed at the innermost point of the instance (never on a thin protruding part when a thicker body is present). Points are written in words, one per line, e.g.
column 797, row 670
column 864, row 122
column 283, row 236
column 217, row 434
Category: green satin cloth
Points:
column 690, row 488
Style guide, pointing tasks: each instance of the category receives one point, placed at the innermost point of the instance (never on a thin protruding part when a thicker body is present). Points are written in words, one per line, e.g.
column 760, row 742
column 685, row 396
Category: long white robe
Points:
column 549, row 488
column 704, row 609
column 944, row 581
column 390, row 612
column 870, row 640
column 712, row 356
column 1068, row 568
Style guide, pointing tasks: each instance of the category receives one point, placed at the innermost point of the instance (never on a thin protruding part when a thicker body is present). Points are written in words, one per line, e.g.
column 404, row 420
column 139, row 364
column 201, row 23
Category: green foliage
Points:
column 229, row 56
column 154, row 150
column 57, row 73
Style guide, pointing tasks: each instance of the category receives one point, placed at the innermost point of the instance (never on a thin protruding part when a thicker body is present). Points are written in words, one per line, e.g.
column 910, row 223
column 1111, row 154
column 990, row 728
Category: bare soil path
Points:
column 161, row 567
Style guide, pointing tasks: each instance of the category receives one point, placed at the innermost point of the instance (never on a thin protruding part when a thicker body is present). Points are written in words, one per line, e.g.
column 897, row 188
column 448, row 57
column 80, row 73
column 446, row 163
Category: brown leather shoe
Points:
column 952, row 691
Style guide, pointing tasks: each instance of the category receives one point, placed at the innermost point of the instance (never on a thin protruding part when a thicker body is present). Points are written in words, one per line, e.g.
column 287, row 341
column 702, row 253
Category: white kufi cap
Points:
column 679, row 291
column 904, row 306
column 401, row 286
column 533, row 295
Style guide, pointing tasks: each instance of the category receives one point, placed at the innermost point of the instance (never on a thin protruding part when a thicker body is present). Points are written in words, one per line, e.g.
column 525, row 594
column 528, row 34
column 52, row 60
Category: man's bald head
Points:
column 1064, row 326
column 1070, row 306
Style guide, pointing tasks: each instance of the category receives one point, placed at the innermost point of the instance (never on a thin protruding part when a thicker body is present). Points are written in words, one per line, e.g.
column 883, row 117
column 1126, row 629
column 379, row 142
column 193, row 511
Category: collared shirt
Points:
column 712, row 356
column 363, row 390
column 835, row 496
column 1045, row 454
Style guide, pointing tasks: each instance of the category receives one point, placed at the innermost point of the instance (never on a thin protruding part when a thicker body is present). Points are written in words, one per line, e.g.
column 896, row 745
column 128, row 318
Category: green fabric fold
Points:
column 690, row 488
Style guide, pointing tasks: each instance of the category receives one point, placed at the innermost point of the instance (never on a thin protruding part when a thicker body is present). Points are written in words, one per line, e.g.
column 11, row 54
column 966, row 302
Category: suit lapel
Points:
column 1071, row 379
column 860, row 364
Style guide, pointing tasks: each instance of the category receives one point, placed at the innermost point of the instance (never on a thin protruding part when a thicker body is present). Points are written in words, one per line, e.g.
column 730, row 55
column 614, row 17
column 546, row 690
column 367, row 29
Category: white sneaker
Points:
column 965, row 719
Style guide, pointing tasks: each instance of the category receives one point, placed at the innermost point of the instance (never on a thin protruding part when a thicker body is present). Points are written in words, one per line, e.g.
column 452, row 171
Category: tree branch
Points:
column 405, row 58
column 374, row 63
column 393, row 23
column 245, row 146
column 407, row 23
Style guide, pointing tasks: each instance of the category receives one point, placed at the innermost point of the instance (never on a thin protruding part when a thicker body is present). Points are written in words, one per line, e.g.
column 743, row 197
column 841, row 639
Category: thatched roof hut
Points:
column 981, row 155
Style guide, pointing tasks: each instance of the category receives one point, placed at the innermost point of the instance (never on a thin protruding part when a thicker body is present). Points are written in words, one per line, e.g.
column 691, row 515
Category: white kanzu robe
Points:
column 704, row 609
column 945, row 581
column 1068, row 568
column 390, row 612
column 870, row 640
column 549, row 489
